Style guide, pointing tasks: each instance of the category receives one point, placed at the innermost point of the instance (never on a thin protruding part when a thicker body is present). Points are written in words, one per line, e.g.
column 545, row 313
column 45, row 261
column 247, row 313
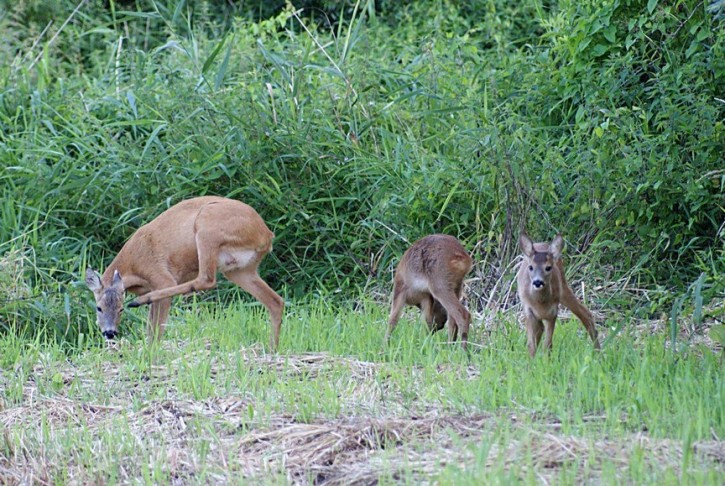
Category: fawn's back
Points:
column 430, row 275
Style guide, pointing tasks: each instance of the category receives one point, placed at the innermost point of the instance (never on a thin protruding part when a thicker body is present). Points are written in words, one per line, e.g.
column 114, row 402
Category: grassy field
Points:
column 209, row 404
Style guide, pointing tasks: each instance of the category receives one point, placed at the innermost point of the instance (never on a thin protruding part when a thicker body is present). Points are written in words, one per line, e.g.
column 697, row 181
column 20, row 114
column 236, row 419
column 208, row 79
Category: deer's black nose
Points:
column 109, row 334
column 538, row 283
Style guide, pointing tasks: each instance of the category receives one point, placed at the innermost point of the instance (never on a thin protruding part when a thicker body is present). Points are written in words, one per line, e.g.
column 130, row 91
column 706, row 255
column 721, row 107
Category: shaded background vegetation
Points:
column 355, row 127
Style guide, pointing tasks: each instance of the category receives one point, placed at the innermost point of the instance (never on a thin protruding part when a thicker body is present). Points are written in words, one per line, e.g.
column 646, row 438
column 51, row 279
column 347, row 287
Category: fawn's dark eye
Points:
column 99, row 309
column 548, row 269
column 120, row 310
column 531, row 268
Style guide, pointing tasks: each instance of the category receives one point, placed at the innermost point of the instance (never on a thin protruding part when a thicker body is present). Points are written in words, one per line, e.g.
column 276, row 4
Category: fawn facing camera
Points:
column 542, row 287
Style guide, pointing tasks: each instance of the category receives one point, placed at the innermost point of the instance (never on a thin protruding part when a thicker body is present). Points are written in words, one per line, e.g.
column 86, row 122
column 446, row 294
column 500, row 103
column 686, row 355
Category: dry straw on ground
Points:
column 356, row 449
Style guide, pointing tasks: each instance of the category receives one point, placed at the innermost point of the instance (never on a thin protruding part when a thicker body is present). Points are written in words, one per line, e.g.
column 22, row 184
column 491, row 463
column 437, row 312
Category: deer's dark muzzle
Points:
column 538, row 284
column 109, row 334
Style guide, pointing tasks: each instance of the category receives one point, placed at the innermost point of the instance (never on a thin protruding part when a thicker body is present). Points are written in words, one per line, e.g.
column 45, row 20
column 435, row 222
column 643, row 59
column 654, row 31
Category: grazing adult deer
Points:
column 542, row 287
column 181, row 251
column 430, row 276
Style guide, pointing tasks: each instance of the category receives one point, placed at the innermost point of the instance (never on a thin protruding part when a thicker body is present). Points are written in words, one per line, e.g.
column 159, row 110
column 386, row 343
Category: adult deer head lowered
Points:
column 181, row 251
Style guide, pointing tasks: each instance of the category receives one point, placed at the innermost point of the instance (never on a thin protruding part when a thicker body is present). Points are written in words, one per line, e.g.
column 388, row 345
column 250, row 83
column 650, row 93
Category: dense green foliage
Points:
column 356, row 127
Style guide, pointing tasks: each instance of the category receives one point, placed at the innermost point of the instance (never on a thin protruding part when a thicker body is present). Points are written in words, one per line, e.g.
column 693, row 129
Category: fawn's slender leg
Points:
column 534, row 330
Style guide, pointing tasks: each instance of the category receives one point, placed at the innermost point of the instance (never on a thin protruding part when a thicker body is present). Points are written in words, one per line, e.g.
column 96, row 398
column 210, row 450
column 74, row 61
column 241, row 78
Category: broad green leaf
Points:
column 599, row 50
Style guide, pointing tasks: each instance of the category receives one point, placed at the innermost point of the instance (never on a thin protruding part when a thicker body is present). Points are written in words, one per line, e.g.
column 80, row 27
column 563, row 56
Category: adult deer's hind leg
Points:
column 250, row 281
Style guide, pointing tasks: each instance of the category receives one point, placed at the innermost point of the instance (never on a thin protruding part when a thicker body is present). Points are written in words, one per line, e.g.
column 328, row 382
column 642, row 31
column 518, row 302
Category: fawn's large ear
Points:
column 526, row 245
column 117, row 282
column 93, row 280
column 556, row 247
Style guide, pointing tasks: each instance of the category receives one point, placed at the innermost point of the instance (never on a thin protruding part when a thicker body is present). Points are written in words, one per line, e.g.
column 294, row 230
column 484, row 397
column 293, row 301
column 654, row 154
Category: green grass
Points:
column 208, row 403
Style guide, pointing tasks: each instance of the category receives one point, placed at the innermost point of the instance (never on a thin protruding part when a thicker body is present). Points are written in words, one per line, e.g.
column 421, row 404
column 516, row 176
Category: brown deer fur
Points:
column 181, row 251
column 542, row 287
column 430, row 276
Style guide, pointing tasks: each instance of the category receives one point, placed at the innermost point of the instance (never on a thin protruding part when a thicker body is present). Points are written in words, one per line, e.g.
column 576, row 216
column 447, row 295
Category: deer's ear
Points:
column 93, row 280
column 557, row 246
column 526, row 245
column 117, row 282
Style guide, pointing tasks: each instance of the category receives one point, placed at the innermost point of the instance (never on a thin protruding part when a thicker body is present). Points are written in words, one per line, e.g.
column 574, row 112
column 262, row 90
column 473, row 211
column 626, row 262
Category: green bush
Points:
column 355, row 136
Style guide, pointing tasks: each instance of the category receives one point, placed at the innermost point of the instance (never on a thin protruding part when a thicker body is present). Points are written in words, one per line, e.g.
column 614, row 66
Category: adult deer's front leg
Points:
column 159, row 311
column 158, row 315
column 207, row 252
